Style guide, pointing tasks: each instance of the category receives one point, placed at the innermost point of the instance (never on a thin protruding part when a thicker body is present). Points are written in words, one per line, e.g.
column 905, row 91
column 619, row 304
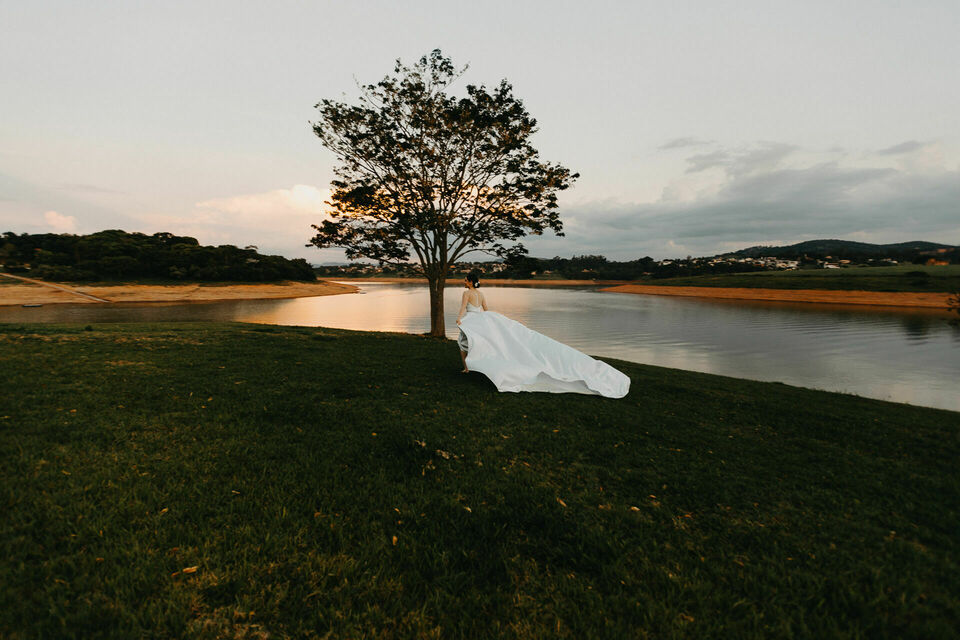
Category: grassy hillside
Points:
column 232, row 480
column 844, row 249
column 900, row 278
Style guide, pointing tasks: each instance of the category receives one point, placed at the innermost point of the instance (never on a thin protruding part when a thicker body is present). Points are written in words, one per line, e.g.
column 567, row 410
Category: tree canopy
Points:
column 116, row 254
column 427, row 176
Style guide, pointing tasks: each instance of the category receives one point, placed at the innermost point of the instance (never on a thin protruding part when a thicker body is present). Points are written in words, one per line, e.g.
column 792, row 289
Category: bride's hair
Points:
column 473, row 278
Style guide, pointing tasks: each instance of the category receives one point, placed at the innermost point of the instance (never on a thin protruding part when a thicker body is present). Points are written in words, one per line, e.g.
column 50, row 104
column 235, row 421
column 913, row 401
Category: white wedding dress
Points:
column 516, row 358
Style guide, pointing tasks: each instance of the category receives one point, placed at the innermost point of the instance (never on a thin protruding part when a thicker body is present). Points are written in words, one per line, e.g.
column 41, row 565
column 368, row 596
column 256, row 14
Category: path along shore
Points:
column 821, row 296
column 30, row 291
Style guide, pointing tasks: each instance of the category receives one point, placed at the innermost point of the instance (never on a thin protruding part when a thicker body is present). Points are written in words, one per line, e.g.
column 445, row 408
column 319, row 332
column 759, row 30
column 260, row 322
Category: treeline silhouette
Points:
column 598, row 267
column 586, row 267
column 118, row 255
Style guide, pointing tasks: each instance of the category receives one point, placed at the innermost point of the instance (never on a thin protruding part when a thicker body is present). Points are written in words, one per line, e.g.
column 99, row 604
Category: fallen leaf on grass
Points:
column 562, row 503
column 162, row 511
column 190, row 570
column 394, row 540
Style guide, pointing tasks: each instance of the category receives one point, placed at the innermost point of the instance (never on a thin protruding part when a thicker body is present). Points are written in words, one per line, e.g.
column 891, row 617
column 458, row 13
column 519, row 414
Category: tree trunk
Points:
column 437, row 328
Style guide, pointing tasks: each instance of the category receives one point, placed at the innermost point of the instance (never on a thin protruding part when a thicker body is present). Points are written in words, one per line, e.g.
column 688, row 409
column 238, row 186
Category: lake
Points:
column 905, row 356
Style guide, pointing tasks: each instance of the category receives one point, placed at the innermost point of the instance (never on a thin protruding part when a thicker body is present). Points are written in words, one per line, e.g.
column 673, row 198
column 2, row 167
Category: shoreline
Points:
column 33, row 292
column 30, row 292
column 818, row 296
column 493, row 282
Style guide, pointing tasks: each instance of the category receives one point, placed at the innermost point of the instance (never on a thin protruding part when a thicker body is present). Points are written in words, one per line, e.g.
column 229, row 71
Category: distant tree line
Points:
column 586, row 267
column 596, row 267
column 118, row 255
column 589, row 267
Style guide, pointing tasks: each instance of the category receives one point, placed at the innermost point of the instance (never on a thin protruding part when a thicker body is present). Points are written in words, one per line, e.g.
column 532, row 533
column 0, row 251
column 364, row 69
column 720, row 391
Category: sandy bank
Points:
column 36, row 292
column 823, row 296
column 492, row 282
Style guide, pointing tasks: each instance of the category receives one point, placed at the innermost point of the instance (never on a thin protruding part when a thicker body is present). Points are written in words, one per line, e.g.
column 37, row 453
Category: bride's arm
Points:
column 463, row 306
column 483, row 301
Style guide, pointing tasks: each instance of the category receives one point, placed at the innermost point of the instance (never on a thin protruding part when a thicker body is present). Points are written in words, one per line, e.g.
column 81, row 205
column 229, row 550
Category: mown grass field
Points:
column 943, row 278
column 230, row 480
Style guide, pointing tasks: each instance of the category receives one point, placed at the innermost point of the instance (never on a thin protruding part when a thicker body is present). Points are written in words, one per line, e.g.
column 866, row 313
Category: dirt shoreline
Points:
column 497, row 281
column 26, row 291
column 821, row 296
column 35, row 292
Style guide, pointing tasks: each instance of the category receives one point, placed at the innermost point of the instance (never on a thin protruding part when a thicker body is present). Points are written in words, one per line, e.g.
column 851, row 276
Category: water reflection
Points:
column 888, row 353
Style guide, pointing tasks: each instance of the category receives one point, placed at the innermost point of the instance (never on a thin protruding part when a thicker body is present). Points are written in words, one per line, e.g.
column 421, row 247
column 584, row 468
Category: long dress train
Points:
column 517, row 358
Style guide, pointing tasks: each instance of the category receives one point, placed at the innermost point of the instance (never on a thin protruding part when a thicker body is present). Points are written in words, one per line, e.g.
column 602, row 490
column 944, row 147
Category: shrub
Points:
column 63, row 274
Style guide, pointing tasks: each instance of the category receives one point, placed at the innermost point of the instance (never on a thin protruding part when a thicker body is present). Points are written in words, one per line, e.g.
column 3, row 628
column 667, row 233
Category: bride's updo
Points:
column 474, row 279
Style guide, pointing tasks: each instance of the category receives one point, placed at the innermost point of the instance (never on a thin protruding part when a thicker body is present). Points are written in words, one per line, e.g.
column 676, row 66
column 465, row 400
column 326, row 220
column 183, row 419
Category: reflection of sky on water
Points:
column 911, row 356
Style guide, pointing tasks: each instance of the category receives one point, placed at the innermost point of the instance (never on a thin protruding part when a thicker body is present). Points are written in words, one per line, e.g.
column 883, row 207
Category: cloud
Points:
column 904, row 147
column 83, row 189
column 704, row 161
column 760, row 157
column 680, row 143
column 276, row 221
column 24, row 204
column 771, row 194
column 60, row 223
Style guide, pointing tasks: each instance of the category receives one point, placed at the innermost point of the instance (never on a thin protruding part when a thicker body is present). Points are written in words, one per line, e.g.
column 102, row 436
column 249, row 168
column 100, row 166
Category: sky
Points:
column 697, row 127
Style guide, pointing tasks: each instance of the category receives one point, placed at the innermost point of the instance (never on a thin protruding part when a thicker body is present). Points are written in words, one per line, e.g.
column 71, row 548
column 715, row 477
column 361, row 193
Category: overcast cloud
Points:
column 775, row 193
column 698, row 126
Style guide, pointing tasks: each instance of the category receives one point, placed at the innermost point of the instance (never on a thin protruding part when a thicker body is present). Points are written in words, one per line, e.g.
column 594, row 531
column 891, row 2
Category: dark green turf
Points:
column 328, row 483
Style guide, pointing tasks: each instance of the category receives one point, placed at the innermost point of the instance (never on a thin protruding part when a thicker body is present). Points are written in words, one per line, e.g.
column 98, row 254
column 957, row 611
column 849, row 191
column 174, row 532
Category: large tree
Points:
column 424, row 175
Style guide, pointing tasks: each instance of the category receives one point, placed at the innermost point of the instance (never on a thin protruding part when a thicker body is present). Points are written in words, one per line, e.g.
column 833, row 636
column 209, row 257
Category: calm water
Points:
column 909, row 357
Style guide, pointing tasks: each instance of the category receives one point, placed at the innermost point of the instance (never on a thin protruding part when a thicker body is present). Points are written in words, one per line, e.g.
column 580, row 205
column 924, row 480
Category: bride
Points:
column 516, row 358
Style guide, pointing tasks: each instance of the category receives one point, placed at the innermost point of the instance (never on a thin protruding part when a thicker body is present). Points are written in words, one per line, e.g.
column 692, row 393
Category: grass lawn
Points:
column 232, row 480
column 899, row 278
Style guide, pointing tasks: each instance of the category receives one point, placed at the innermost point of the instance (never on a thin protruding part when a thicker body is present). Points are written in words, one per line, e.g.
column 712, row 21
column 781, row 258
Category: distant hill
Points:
column 845, row 249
